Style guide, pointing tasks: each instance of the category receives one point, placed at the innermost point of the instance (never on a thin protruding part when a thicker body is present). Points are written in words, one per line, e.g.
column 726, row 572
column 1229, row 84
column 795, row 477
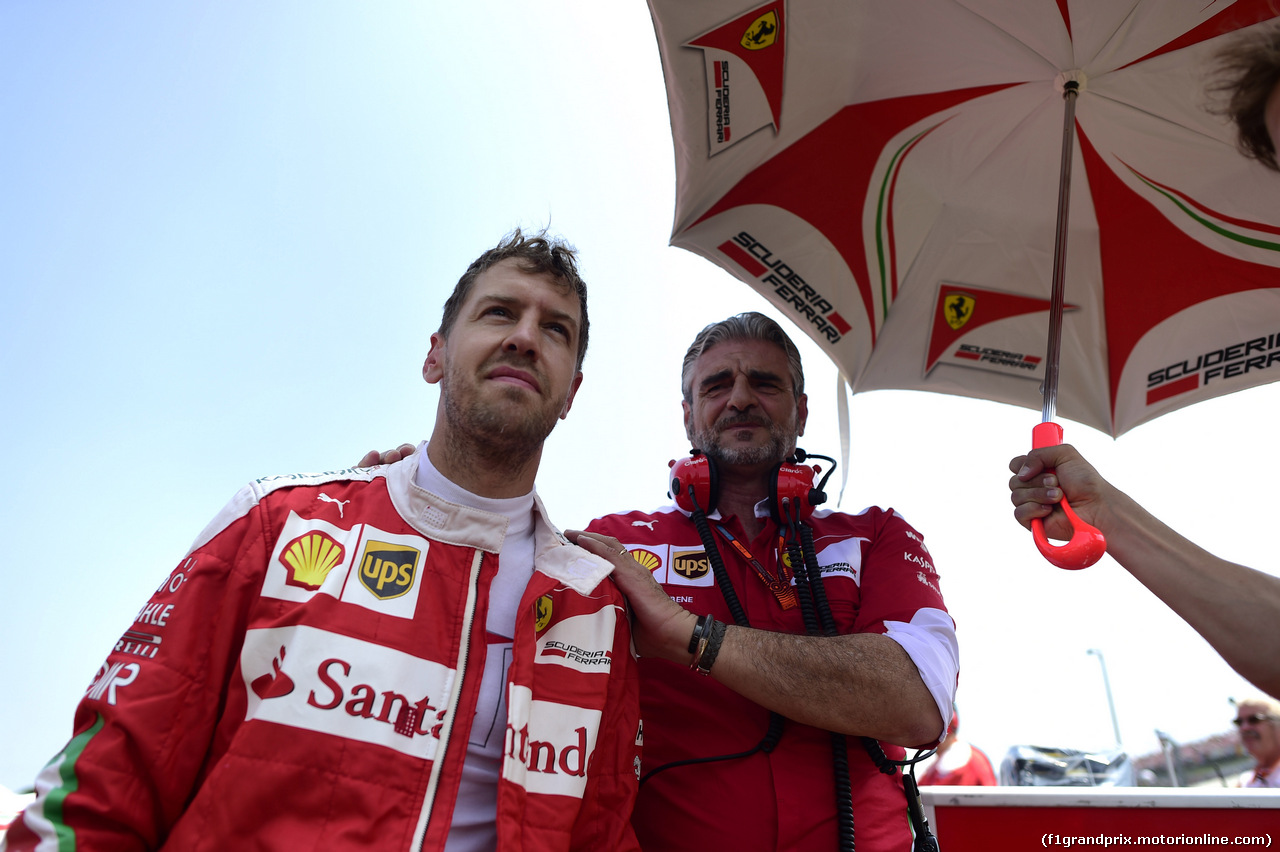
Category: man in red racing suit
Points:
column 352, row 630
column 309, row 676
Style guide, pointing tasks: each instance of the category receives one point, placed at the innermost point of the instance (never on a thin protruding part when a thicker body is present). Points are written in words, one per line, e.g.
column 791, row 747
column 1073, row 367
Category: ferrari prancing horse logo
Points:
column 959, row 308
column 542, row 613
column 762, row 32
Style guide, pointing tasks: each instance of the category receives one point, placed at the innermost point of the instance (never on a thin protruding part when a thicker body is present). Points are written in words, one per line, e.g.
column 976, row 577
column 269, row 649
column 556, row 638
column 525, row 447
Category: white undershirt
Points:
column 473, row 828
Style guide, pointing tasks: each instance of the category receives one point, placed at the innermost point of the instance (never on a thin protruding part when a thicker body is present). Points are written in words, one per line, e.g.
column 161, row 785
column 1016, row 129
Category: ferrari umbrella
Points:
column 887, row 174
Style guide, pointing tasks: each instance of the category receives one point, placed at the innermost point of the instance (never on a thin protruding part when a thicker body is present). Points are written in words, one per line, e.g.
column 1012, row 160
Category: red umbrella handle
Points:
column 1087, row 543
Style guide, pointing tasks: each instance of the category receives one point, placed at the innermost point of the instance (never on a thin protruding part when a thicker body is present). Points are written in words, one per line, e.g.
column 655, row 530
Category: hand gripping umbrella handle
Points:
column 1087, row 543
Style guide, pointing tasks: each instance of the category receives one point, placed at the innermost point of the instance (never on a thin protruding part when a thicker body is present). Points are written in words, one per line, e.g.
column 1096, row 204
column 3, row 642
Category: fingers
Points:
column 601, row 545
column 1045, row 458
column 661, row 626
column 1045, row 489
column 1021, row 464
column 1034, row 496
column 373, row 457
column 1025, row 513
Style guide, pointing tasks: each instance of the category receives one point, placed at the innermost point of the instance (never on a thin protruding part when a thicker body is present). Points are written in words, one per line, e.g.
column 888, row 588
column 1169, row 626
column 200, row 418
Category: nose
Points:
column 742, row 397
column 523, row 339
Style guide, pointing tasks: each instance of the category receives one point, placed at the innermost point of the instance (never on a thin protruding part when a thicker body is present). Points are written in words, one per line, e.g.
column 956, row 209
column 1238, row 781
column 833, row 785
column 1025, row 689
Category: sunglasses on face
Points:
column 1255, row 719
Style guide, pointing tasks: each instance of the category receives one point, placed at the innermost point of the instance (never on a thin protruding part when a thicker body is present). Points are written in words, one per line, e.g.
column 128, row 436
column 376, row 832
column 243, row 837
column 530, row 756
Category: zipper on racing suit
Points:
column 446, row 732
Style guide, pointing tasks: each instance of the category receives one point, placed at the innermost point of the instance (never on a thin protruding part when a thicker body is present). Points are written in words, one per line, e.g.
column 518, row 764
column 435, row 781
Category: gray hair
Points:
column 1272, row 706
column 745, row 326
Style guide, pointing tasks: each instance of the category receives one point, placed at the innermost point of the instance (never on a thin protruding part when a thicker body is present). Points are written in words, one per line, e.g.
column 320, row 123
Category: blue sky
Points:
column 226, row 231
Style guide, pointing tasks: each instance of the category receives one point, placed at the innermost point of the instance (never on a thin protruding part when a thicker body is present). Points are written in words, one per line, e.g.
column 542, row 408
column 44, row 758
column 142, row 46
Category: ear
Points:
column 433, row 367
column 688, row 415
column 802, row 413
column 573, row 391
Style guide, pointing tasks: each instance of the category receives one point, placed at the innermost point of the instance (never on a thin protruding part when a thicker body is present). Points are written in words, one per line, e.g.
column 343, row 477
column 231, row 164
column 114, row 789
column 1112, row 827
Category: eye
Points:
column 557, row 328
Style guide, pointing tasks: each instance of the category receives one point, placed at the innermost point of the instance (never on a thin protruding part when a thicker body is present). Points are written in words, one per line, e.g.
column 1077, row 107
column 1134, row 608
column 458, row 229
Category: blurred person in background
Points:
column 1258, row 720
column 959, row 764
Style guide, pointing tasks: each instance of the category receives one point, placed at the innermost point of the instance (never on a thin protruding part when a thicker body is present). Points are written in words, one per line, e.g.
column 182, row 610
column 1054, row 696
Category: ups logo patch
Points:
column 388, row 570
column 691, row 564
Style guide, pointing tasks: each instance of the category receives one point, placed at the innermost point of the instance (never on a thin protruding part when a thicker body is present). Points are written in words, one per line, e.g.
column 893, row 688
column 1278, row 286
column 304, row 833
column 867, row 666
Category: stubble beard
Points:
column 489, row 430
column 781, row 443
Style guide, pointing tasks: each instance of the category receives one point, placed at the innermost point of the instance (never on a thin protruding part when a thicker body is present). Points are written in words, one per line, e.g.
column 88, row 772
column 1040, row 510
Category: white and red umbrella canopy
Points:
column 887, row 173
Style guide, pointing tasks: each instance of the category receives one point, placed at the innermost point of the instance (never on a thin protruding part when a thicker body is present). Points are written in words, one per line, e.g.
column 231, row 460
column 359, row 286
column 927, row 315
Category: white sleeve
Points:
column 930, row 641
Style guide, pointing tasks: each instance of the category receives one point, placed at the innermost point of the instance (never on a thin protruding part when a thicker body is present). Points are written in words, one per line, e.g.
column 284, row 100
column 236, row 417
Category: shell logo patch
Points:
column 309, row 558
column 647, row 558
column 542, row 613
column 762, row 32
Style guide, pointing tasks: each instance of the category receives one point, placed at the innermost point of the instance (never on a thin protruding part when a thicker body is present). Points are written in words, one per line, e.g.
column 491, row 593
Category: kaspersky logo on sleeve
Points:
column 311, row 679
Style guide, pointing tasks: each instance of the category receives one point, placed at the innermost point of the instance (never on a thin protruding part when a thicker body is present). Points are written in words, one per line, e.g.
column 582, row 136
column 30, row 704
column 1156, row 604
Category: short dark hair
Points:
column 1248, row 70
column 745, row 326
column 536, row 255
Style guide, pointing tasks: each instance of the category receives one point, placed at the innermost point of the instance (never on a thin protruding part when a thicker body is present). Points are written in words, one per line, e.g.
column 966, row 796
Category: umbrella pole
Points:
column 1058, row 298
column 1087, row 544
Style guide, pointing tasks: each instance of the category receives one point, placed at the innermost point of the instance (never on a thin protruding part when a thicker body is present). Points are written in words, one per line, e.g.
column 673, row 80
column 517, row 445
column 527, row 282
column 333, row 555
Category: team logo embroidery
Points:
column 959, row 308
column 388, row 570
column 542, row 613
column 691, row 564
column 762, row 33
column 309, row 558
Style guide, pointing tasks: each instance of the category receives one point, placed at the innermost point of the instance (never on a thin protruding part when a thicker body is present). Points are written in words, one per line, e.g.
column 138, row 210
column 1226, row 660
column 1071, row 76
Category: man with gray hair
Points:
column 1258, row 720
column 759, row 736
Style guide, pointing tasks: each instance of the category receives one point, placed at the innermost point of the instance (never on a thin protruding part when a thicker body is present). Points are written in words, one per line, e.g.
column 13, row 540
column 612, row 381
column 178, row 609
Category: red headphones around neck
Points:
column 790, row 481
